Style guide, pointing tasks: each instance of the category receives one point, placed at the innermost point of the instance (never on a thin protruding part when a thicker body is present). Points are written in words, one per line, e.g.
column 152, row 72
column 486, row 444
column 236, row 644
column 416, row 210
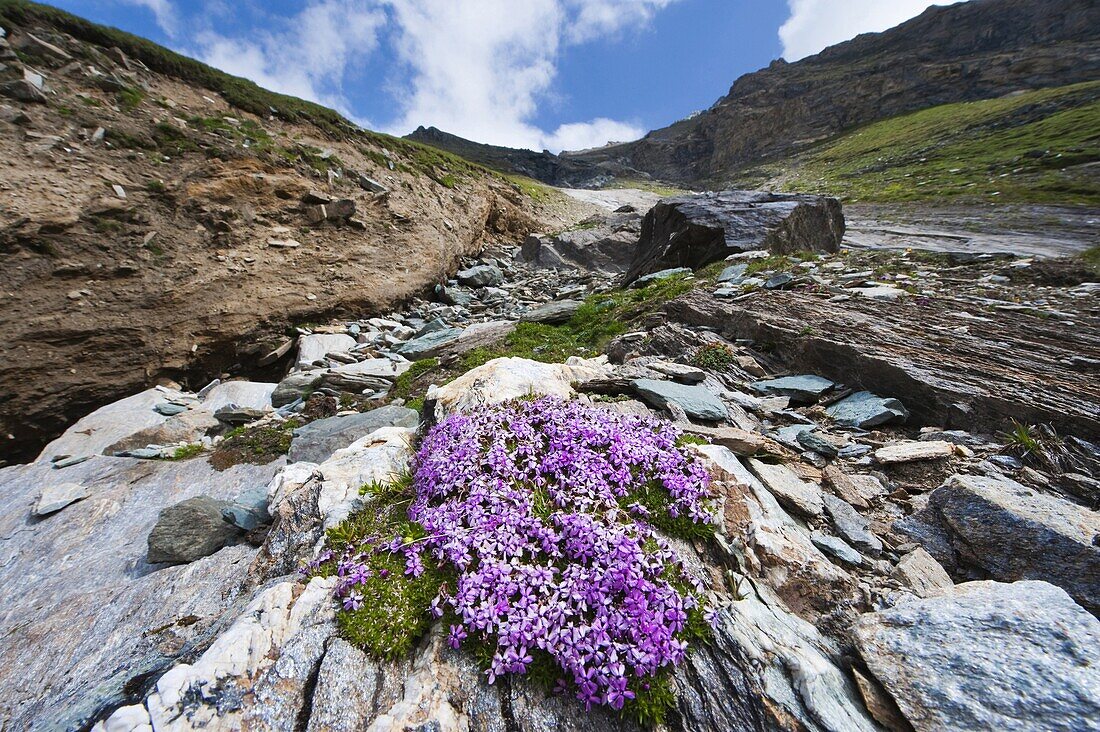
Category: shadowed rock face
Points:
column 976, row 50
column 693, row 231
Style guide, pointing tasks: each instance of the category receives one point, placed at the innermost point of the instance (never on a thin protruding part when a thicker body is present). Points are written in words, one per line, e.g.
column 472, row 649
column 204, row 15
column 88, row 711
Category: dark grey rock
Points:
column 606, row 244
column 295, row 387
column 23, row 91
column 191, row 530
column 428, row 345
column 836, row 548
column 553, row 312
column 779, row 281
column 813, row 441
column 696, row 401
column 482, row 275
column 694, row 231
column 453, row 295
column 1010, row 532
column 864, row 409
column 801, row 389
column 233, row 414
column 851, row 525
column 987, row 656
column 317, row 441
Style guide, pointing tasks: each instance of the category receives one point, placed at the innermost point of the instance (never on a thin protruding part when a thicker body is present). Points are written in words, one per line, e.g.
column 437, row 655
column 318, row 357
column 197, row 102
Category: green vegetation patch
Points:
column 1037, row 147
column 256, row 445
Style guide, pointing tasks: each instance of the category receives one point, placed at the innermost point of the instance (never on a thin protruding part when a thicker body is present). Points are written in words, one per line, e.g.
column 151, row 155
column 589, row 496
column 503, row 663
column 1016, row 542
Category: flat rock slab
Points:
column 428, row 345
column 314, row 347
column 553, row 313
column 988, row 656
column 805, row 389
column 909, row 452
column 56, row 496
column 698, row 402
column 382, row 368
column 317, row 441
column 920, row 571
column 245, row 394
column 78, row 583
column 864, row 409
column 1011, row 532
column 693, row 231
column 792, row 492
column 93, row 434
column 663, row 274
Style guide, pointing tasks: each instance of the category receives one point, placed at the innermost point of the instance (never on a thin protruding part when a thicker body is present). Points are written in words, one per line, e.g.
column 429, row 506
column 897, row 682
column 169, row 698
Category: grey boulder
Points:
column 664, row 274
column 553, row 313
column 696, row 401
column 696, row 230
column 864, row 409
column 482, row 275
column 295, row 387
column 1010, row 532
column 800, row 389
column 191, row 530
column 987, row 656
column 428, row 345
column 318, row 440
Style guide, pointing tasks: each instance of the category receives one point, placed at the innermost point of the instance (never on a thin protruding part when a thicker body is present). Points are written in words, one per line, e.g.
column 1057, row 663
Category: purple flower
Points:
column 458, row 634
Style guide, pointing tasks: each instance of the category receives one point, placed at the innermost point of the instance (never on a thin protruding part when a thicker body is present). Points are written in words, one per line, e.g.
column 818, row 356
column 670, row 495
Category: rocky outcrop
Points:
column 693, row 231
column 543, row 166
column 605, row 243
column 986, row 655
column 993, row 524
column 77, row 582
column 981, row 49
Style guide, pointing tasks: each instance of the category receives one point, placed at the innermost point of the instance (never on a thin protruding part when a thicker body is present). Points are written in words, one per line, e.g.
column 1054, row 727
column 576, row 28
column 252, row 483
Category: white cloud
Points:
column 307, row 56
column 816, row 24
column 163, row 12
column 476, row 68
column 479, row 68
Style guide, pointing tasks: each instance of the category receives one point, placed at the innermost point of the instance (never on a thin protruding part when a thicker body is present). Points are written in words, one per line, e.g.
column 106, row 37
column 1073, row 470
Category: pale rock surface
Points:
column 314, row 347
column 793, row 492
column 77, row 582
column 92, row 434
column 245, row 394
column 912, row 451
column 378, row 457
column 509, row 378
column 988, row 656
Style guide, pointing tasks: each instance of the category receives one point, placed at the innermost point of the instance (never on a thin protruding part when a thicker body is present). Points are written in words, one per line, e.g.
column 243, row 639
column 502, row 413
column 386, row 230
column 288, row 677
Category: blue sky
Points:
column 559, row 74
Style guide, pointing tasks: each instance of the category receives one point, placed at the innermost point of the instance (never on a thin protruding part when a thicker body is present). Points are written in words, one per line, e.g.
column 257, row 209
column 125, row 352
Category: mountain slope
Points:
column 157, row 219
column 1035, row 147
column 976, row 50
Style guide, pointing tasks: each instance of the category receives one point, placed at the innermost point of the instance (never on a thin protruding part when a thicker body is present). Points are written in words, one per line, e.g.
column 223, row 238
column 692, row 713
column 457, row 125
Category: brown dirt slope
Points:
column 173, row 275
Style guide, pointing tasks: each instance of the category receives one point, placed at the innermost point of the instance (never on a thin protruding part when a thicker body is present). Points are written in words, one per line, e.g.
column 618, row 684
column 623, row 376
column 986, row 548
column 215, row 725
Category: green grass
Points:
column 187, row 451
column 714, row 357
column 1091, row 259
column 1025, row 148
column 661, row 189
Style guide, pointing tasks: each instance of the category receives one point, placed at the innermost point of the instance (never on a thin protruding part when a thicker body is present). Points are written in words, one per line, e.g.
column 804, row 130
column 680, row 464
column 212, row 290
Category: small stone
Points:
column 813, row 441
column 169, row 410
column 791, row 491
column 779, row 281
column 119, row 190
column 836, row 548
column 483, row 275
column 864, row 410
column 190, row 530
column 853, row 527
column 696, row 401
column 801, row 389
column 55, row 497
column 283, row 243
column 553, row 313
column 912, row 451
column 680, row 372
column 858, row 490
column 734, row 273
column 920, row 571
